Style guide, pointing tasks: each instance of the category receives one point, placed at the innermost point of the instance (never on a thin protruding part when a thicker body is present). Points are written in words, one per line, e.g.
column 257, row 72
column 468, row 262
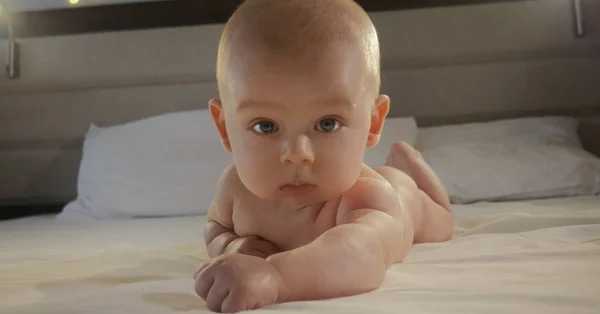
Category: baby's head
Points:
column 298, row 83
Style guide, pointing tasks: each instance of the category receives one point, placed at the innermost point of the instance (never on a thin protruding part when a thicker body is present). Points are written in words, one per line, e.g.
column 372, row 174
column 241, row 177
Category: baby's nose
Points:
column 298, row 151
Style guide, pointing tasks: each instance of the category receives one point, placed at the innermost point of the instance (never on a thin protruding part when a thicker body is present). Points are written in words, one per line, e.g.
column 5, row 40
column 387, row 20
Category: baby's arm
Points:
column 218, row 231
column 374, row 231
column 219, row 234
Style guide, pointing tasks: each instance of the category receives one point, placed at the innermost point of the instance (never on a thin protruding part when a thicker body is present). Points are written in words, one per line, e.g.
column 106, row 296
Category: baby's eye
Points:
column 327, row 125
column 264, row 127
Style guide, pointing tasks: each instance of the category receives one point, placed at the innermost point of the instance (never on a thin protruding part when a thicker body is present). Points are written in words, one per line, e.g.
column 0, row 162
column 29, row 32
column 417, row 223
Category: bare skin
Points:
column 299, row 216
column 337, row 248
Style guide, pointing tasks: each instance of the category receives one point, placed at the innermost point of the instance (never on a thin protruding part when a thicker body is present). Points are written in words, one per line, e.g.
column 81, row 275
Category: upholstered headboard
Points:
column 442, row 65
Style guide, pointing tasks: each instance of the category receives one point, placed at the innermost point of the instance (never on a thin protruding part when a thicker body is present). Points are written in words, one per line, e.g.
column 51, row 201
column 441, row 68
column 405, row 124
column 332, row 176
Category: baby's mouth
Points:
column 297, row 189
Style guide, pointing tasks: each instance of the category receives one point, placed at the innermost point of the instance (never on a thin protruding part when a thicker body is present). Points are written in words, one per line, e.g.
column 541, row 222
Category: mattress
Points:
column 539, row 256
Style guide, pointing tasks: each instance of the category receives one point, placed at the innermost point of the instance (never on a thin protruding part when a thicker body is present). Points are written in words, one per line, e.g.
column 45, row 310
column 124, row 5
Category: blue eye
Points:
column 264, row 127
column 327, row 125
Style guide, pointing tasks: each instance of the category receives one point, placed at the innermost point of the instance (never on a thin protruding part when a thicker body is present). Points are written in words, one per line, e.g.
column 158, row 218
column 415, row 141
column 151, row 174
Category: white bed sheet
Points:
column 538, row 256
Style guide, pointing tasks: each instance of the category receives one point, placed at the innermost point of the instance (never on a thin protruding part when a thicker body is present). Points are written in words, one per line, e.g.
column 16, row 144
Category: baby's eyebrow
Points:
column 255, row 103
column 338, row 102
column 334, row 102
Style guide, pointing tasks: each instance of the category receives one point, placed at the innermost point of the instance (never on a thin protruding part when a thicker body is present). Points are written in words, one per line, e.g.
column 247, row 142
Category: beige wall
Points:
column 441, row 65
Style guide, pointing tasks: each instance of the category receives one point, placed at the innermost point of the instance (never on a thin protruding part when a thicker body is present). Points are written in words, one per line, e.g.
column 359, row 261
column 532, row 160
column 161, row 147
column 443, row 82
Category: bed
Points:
column 63, row 125
column 513, row 257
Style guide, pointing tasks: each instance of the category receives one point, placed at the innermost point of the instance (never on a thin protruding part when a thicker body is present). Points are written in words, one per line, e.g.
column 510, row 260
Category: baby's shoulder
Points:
column 371, row 190
column 231, row 189
column 371, row 181
column 229, row 181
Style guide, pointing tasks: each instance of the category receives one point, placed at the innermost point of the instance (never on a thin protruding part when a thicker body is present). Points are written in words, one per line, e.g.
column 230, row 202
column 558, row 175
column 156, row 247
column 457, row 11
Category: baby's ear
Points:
column 378, row 114
column 216, row 111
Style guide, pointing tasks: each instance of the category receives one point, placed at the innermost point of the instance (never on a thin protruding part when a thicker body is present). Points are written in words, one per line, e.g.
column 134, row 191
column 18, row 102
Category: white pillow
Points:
column 394, row 129
column 513, row 159
column 167, row 165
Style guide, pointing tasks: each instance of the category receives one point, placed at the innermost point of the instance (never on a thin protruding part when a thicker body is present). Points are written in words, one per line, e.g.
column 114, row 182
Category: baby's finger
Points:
column 218, row 292
column 236, row 246
column 268, row 248
column 201, row 268
column 232, row 304
column 259, row 249
column 203, row 284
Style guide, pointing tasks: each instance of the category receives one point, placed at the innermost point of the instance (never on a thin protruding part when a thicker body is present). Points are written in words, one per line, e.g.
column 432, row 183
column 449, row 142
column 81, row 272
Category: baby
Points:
column 299, row 216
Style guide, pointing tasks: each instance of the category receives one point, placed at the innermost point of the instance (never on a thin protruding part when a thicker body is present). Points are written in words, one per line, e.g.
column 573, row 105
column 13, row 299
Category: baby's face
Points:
column 298, row 130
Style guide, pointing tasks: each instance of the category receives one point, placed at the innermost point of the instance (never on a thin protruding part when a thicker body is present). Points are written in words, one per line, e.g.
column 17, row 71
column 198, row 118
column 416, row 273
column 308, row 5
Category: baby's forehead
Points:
column 258, row 59
column 309, row 94
column 311, row 54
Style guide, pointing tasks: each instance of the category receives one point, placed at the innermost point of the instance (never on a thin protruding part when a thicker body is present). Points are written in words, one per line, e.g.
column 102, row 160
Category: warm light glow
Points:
column 73, row 1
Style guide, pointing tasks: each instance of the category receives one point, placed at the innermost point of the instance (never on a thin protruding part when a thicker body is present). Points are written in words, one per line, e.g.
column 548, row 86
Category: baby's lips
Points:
column 297, row 190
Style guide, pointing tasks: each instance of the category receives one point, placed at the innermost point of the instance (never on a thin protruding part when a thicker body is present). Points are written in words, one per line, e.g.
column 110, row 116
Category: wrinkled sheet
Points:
column 538, row 256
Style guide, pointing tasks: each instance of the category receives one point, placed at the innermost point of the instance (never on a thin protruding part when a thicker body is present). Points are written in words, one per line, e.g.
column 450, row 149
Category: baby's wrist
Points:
column 283, row 291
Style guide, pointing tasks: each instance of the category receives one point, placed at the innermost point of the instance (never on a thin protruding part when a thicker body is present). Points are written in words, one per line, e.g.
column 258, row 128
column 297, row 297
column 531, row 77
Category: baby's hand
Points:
column 237, row 282
column 252, row 245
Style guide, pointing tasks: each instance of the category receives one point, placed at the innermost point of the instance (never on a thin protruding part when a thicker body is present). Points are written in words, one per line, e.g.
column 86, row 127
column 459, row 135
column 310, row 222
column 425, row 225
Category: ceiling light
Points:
column 73, row 1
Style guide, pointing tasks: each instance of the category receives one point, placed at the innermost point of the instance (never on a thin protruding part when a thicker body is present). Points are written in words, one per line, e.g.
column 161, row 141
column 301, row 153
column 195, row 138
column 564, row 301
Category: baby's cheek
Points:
column 257, row 172
column 255, row 180
column 341, row 173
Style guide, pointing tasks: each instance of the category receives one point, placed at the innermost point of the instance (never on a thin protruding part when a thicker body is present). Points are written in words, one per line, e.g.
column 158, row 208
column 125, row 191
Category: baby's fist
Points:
column 238, row 282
